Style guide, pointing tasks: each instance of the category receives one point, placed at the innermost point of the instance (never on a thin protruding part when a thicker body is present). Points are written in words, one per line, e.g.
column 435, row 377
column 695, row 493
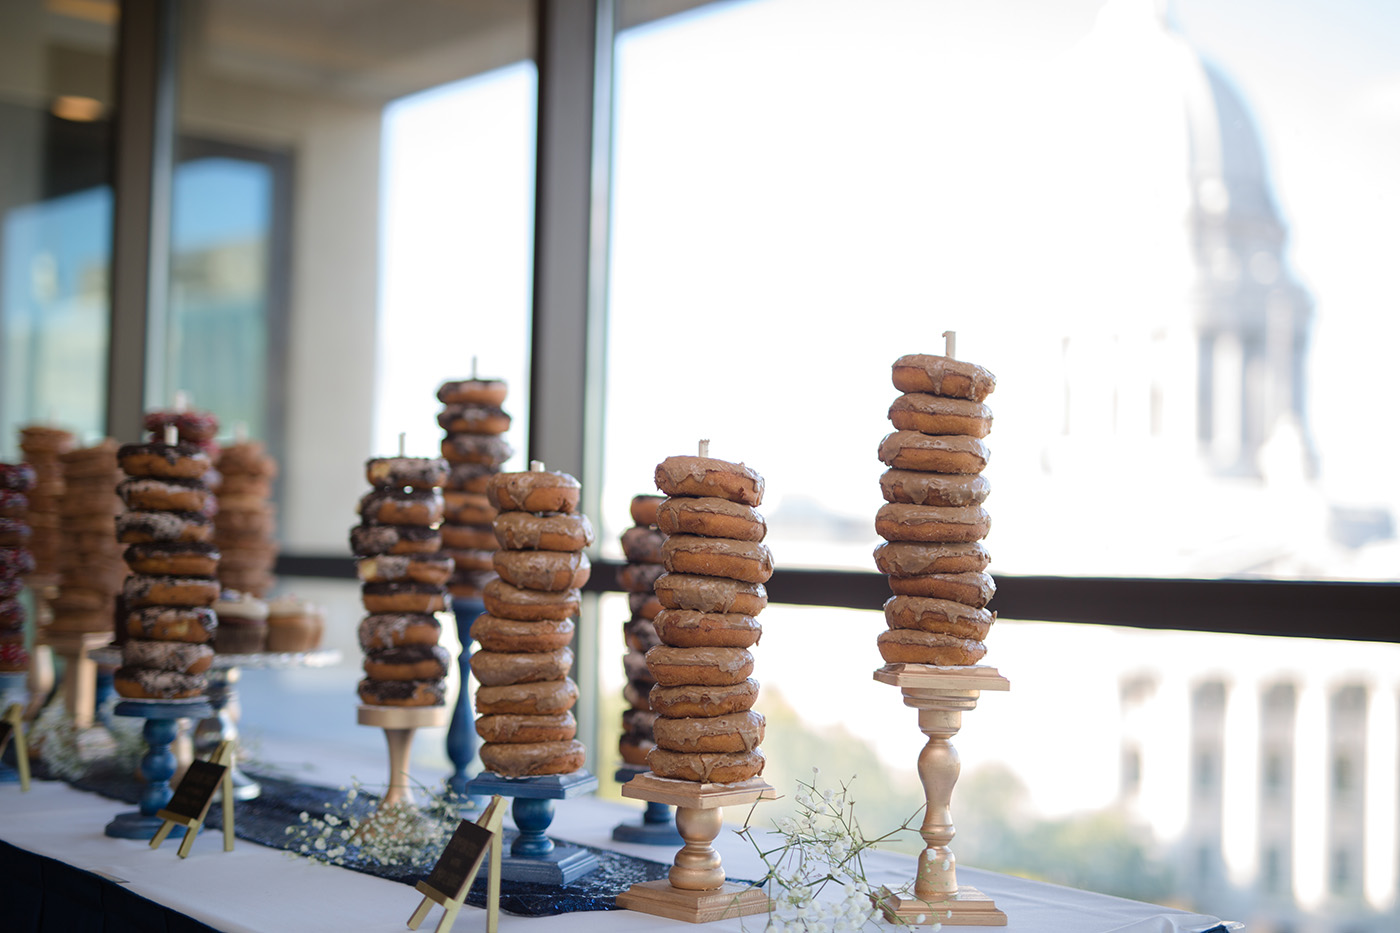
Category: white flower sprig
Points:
column 821, row 845
column 402, row 834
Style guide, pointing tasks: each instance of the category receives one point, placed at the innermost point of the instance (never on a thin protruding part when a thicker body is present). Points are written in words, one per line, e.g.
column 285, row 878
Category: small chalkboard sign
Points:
column 12, row 729
column 457, row 867
column 189, row 804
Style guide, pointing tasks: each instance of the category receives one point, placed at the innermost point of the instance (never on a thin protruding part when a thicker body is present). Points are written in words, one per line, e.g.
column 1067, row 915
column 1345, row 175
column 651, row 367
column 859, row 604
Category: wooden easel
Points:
column 196, row 797
column 13, row 730
column 457, row 868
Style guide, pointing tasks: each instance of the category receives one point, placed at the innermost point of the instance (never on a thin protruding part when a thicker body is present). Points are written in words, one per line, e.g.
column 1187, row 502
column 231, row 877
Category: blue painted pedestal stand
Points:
column 658, row 826
column 534, row 856
column 158, row 764
column 461, row 732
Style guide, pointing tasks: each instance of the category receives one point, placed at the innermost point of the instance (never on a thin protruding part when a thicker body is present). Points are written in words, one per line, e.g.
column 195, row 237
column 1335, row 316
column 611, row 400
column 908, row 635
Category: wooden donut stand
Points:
column 696, row 891
column 941, row 695
column 399, row 723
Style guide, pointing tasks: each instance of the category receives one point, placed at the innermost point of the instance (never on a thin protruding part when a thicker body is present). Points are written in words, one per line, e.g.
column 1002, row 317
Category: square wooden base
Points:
column 969, row 908
column 661, row 899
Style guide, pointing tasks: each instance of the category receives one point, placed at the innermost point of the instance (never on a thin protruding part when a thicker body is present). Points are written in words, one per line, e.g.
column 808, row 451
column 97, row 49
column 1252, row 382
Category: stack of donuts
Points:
column 245, row 524
column 641, row 545
column 474, row 421
column 716, row 564
column 526, row 698
column 91, row 571
column 41, row 446
column 402, row 571
column 933, row 522
column 173, row 584
column 16, row 480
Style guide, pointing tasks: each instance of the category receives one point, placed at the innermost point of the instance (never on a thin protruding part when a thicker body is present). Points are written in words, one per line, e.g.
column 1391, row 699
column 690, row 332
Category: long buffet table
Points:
column 254, row 889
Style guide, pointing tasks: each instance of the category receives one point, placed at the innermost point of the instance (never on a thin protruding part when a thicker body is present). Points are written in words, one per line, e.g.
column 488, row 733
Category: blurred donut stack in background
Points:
column 641, row 545
column 16, row 562
column 526, row 698
column 474, row 421
column 716, row 564
column 91, row 570
column 42, row 446
column 167, row 599
column 933, row 522
column 403, row 570
column 245, row 526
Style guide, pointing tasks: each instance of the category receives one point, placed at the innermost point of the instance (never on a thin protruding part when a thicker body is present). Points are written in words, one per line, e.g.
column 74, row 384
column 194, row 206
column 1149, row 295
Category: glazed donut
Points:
column 195, row 625
column 643, row 509
column 469, row 477
column 412, row 662
column 168, row 461
column 640, row 635
column 469, row 537
column 910, row 559
column 153, row 527
column 549, row 531
column 638, row 722
column 509, row 636
column 397, row 630
column 467, row 508
column 433, row 569
column 633, row 749
column 537, row 697
column 941, row 616
column 933, row 414
column 173, row 558
column 543, row 570
column 17, row 477
column 718, row 667
column 247, row 458
column 488, row 449
column 732, row 732
column 392, row 506
column 910, row 646
column 634, row 664
column 637, row 694
column 239, row 486
column 404, row 596
column 195, row 427
column 369, row 540
column 166, row 495
column 641, row 544
column 141, row 590
column 747, row 561
column 710, row 517
column 401, row 692
column 950, row 490
column 706, row 767
column 970, row 589
column 517, row 729
column 639, row 578
column 410, row 472
column 15, row 562
column 13, row 504
column 469, row 418
column 644, row 605
column 533, row 491
column 939, row 375
column 513, row 602
column 710, row 594
column 706, row 476
column 181, row 657
column 897, row 521
column 692, row 700
column 911, row 450
column 495, row 669
column 527, row 759
column 686, row 628
column 472, row 392
column 13, row 534
column 473, row 558
column 140, row 683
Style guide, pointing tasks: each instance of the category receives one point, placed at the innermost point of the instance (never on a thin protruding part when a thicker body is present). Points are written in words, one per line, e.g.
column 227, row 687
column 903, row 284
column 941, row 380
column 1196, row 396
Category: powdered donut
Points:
column 509, row 636
column 401, row 507
column 146, row 590
column 747, row 561
column 538, row 697
column 494, row 669
column 972, row 589
column 710, row 594
column 513, row 602
column 516, row 729
column 468, row 418
column 942, row 616
column 939, row 375
column 673, row 667
column 543, row 570
column 489, row 449
column 140, row 683
column 432, row 569
column 401, row 692
column 932, row 414
column 898, row 521
column 909, row 559
column 527, row 759
column 412, row 662
column 910, row 646
column 195, row 625
column 396, row 629
column 472, row 392
column 189, row 559
column 911, row 450
column 706, row 476
column 533, row 491
column 401, row 472
column 732, row 732
column 166, row 495
column 150, row 527
column 641, row 544
column 170, row 461
column 951, row 490
column 404, row 596
column 686, row 628
column 368, row 540
column 467, row 508
column 178, row 656
column 706, row 767
column 710, row 517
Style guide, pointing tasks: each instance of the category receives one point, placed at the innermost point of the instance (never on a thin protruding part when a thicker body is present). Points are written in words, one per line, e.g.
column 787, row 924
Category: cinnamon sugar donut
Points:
column 938, row 615
column 910, row 646
column 911, row 450
column 641, row 544
column 513, row 602
column 410, row 472
column 473, row 392
column 467, row 508
column 401, row 692
column 392, row 506
column 951, row 490
column 686, row 628
column 516, row 729
column 166, row 495
column 536, row 697
column 509, row 636
column 411, row 662
column 939, row 375
column 187, row 559
column 710, row 517
column 549, row 531
column 706, row 767
column 369, row 540
column 397, row 629
column 911, row 559
column 898, row 521
column 706, row 476
column 494, row 669
column 732, row 732
column 747, row 561
column 179, row 656
column 721, row 667
column 404, row 596
column 139, row 683
column 471, row 418
column 533, row 491
column 971, row 589
column 710, row 594
column 527, row 759
column 434, row 569
column 169, row 461
column 195, row 625
column 643, row 509
column 933, row 414
column 543, row 570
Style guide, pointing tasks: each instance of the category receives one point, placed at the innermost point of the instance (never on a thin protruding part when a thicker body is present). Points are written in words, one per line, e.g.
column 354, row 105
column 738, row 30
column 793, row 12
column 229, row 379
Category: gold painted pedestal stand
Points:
column 399, row 723
column 79, row 671
column 696, row 891
column 941, row 695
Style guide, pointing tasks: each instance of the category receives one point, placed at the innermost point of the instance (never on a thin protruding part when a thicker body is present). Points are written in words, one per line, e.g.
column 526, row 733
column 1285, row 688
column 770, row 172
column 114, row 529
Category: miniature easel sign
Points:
column 457, row 867
column 12, row 728
column 189, row 804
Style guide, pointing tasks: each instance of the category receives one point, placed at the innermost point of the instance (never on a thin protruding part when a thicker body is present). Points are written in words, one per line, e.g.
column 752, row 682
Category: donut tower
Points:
column 474, row 421
column 245, row 526
column 526, row 698
column 42, row 446
column 173, row 583
column 16, row 480
column 641, row 545
column 91, row 571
